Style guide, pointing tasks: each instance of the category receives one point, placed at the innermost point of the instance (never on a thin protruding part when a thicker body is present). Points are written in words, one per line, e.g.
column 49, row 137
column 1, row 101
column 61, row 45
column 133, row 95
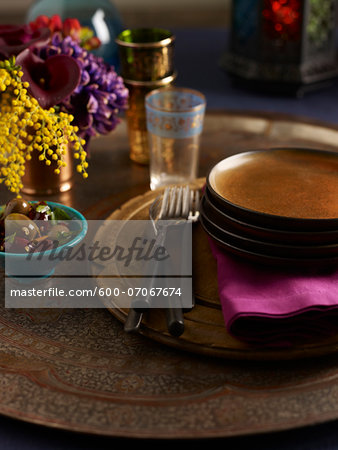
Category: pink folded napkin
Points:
column 273, row 307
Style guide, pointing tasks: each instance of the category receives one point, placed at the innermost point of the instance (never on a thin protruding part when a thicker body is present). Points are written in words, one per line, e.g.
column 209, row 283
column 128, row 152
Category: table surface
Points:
column 114, row 179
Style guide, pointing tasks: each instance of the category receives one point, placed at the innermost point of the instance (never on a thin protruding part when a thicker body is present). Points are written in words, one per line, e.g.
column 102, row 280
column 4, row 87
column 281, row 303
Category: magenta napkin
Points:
column 270, row 306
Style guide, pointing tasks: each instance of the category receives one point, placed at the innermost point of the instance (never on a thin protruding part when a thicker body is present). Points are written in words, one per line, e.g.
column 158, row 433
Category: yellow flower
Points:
column 26, row 127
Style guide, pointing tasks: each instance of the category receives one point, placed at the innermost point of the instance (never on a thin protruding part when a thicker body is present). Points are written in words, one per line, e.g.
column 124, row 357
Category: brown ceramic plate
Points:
column 285, row 188
column 276, row 236
column 268, row 248
column 249, row 250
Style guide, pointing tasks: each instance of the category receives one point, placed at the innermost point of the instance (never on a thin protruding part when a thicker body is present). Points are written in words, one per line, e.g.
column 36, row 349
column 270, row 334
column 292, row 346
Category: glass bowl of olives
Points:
column 32, row 229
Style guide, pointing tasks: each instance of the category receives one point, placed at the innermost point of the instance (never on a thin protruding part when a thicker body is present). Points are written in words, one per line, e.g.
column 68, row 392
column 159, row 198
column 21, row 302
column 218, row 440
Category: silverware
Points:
column 133, row 321
column 178, row 208
column 178, row 203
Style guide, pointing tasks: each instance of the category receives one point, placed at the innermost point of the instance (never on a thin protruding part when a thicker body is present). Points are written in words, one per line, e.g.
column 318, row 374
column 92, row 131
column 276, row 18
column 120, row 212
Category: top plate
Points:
column 281, row 186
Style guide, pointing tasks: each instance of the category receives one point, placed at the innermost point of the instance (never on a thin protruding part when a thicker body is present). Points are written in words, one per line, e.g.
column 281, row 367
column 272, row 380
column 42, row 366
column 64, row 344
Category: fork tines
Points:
column 178, row 202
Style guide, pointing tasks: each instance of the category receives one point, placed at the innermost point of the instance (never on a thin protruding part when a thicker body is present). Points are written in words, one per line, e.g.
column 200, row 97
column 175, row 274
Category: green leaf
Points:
column 52, row 218
column 43, row 209
column 64, row 237
column 10, row 238
column 60, row 214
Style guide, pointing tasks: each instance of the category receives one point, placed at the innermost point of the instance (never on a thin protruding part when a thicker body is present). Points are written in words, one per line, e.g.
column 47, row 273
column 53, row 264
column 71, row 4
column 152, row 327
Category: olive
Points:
column 17, row 205
column 40, row 244
column 19, row 245
column 22, row 226
column 44, row 226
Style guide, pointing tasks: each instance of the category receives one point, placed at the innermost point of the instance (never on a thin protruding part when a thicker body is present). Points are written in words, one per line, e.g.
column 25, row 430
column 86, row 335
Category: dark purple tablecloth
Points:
column 197, row 56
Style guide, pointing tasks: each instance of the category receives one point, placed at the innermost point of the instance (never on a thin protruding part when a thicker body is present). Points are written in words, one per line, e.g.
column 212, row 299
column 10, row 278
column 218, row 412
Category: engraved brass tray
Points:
column 78, row 370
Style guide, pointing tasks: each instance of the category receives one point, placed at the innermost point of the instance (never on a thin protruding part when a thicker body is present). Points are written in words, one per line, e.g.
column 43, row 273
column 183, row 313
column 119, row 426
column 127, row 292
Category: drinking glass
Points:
column 175, row 118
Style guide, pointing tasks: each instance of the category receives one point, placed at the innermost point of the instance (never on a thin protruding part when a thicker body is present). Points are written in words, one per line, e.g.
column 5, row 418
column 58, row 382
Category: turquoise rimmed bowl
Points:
column 18, row 265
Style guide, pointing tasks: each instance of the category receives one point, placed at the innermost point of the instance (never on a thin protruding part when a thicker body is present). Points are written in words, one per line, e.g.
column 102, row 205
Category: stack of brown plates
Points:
column 275, row 206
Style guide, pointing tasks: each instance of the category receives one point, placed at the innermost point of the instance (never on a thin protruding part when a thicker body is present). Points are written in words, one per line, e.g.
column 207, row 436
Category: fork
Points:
column 176, row 205
column 180, row 203
column 185, row 205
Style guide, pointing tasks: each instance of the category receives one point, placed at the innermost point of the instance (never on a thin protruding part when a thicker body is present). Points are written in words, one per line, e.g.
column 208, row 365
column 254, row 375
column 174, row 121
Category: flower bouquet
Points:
column 54, row 94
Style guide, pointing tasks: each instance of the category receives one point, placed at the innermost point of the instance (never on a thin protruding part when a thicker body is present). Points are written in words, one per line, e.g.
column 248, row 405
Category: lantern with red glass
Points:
column 286, row 45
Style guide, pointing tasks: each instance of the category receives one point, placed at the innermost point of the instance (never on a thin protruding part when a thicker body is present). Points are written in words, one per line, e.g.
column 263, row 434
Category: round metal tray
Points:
column 78, row 370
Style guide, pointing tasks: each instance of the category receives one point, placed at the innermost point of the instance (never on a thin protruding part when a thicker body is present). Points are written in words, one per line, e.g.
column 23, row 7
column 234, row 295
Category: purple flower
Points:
column 99, row 97
column 50, row 81
column 14, row 39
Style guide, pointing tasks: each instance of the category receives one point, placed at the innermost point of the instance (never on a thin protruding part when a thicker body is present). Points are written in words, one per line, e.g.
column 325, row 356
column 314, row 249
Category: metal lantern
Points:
column 286, row 45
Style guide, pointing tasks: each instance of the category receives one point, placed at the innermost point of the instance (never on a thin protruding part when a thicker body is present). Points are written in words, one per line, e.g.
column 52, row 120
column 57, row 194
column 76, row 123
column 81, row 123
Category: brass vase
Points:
column 40, row 179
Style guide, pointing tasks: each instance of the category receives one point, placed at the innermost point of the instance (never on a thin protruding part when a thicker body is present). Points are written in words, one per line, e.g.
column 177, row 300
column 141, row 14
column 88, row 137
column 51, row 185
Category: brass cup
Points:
column 146, row 54
column 136, row 117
